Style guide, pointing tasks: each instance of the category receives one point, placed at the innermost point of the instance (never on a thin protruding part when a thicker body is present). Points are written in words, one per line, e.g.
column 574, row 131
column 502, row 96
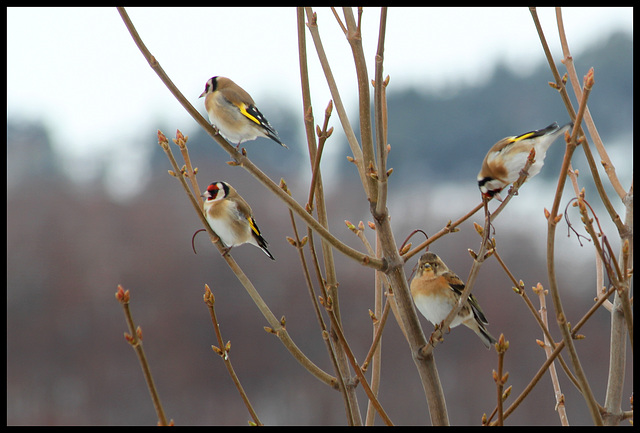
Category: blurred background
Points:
column 90, row 206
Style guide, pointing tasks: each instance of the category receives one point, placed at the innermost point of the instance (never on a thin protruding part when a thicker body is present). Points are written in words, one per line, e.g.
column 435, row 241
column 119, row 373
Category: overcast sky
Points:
column 78, row 70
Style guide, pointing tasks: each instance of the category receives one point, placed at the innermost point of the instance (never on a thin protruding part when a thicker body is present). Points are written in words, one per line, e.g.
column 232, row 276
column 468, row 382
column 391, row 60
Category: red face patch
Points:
column 213, row 190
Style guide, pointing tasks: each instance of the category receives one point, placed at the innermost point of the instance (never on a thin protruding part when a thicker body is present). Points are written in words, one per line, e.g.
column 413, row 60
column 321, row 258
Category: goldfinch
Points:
column 436, row 291
column 505, row 160
column 229, row 215
column 232, row 110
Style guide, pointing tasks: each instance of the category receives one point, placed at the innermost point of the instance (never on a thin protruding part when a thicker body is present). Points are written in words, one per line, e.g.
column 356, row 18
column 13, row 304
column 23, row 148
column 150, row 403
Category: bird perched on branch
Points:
column 230, row 216
column 436, row 291
column 232, row 110
column 505, row 160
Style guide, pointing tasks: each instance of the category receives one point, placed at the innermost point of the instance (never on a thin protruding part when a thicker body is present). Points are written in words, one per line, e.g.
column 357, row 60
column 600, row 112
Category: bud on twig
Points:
column 506, row 393
column 350, row 226
column 404, row 250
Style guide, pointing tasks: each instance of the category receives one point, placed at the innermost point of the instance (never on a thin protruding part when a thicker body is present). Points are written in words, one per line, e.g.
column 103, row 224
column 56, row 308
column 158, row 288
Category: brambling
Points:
column 229, row 215
column 232, row 110
column 436, row 291
column 505, row 160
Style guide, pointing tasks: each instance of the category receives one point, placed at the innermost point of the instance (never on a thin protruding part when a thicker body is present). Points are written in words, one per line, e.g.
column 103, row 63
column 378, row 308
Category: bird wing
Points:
column 255, row 230
column 477, row 311
column 455, row 283
column 458, row 286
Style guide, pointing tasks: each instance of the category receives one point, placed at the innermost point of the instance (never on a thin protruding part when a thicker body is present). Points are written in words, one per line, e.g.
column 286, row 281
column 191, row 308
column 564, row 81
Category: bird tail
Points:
column 272, row 134
column 551, row 133
column 263, row 246
column 255, row 115
column 487, row 339
column 260, row 241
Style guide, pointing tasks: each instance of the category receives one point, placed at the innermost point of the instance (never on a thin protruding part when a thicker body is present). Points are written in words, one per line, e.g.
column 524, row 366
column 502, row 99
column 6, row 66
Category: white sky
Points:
column 79, row 70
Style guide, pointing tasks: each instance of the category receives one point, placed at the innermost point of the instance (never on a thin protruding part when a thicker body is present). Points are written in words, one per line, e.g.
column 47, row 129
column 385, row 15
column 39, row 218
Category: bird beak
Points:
column 203, row 93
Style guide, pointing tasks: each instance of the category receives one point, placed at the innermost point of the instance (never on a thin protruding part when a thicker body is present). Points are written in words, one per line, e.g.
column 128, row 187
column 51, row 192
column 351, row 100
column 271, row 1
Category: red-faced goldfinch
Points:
column 230, row 217
column 234, row 113
column 507, row 158
column 436, row 290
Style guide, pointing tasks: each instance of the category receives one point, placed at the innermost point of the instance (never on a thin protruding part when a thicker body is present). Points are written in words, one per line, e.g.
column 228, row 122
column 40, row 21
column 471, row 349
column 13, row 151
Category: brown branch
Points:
column 312, row 24
column 354, row 37
column 329, row 285
column 393, row 262
column 591, row 127
column 499, row 378
column 376, row 348
column 448, row 228
column 378, row 328
column 519, row 289
column 358, row 370
column 134, row 338
column 223, row 350
column 560, row 406
column 323, row 134
column 380, row 111
column 559, row 84
column 543, row 368
column 552, row 220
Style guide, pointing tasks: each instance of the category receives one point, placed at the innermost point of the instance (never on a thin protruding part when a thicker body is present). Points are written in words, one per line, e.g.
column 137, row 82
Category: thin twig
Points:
column 378, row 328
column 593, row 132
column 189, row 172
column 376, row 347
column 223, row 350
column 380, row 111
column 299, row 244
column 358, row 370
column 134, row 337
column 323, row 134
column 552, row 220
column 519, row 289
column 329, row 286
column 312, row 24
column 448, row 228
column 354, row 37
column 560, row 406
column 543, row 368
column 499, row 378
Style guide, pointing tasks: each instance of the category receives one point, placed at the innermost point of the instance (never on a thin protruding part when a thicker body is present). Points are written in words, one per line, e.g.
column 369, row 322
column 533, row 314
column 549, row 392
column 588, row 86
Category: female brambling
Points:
column 229, row 215
column 436, row 291
column 232, row 110
column 508, row 156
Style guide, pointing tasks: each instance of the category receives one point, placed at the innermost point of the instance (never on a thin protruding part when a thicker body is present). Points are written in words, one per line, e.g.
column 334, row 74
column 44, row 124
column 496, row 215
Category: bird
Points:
column 232, row 111
column 505, row 160
column 436, row 291
column 230, row 216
